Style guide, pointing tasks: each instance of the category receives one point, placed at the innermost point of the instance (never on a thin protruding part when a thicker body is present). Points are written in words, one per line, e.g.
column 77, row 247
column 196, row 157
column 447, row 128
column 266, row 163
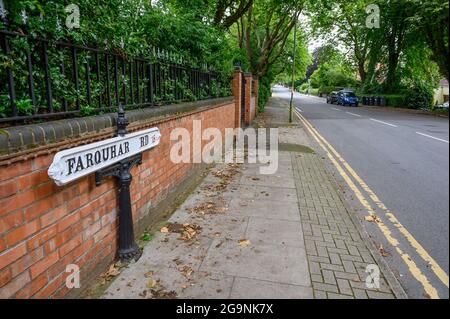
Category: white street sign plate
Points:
column 74, row 163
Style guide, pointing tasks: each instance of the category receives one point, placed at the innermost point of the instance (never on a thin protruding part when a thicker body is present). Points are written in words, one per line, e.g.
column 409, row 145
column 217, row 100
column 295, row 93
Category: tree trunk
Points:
column 362, row 71
column 391, row 80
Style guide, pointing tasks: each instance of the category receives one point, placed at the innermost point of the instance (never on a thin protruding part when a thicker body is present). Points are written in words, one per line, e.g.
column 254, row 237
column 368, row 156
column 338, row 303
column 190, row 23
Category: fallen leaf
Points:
column 383, row 252
column 177, row 261
column 244, row 242
column 186, row 271
column 164, row 230
column 372, row 218
column 219, row 244
column 149, row 274
column 163, row 294
column 113, row 271
column 203, row 208
column 151, row 283
column 176, row 227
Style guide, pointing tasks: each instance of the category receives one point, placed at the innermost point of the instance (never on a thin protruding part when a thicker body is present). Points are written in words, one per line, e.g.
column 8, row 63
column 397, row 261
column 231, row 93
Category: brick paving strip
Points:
column 246, row 235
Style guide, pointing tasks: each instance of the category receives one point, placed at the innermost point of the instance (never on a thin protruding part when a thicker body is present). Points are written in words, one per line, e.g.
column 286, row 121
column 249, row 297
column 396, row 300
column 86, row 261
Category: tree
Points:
column 228, row 12
column 396, row 26
column 265, row 40
column 333, row 72
column 220, row 13
column 344, row 23
column 282, row 69
column 263, row 32
column 431, row 19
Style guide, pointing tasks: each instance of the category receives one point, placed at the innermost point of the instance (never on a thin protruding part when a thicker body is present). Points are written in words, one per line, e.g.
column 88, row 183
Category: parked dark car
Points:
column 347, row 98
column 332, row 97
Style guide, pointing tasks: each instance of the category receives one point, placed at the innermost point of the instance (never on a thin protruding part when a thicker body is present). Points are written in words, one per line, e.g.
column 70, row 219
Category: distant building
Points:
column 441, row 93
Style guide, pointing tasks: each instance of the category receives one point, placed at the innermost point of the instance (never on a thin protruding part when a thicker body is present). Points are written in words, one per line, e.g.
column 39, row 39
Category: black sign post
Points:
column 128, row 249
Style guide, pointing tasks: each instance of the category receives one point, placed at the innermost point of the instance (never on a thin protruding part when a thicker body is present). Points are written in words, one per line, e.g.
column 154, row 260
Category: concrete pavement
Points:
column 246, row 235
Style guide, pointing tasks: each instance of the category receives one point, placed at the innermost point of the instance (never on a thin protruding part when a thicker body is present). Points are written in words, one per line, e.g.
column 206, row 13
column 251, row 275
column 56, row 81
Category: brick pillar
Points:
column 256, row 89
column 248, row 97
column 237, row 92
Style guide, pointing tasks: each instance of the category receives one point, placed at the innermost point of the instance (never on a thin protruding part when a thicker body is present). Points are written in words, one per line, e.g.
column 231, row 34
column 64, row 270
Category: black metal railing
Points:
column 42, row 78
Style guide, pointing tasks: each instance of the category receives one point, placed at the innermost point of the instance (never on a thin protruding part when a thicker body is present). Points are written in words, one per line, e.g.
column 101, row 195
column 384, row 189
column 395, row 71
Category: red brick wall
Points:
column 252, row 109
column 44, row 227
column 256, row 90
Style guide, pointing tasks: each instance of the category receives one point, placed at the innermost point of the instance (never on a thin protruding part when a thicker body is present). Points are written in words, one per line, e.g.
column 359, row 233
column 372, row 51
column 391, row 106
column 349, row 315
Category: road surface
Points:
column 404, row 160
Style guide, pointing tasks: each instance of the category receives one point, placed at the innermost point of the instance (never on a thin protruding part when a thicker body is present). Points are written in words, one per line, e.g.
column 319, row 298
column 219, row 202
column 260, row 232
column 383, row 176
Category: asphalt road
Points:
column 404, row 158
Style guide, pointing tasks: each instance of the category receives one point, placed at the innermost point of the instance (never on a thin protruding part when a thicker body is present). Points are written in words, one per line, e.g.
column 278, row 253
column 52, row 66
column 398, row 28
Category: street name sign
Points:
column 75, row 163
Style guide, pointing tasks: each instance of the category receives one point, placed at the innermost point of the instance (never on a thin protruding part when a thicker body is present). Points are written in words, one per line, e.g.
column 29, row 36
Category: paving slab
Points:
column 274, row 231
column 244, row 288
column 265, row 208
column 275, row 263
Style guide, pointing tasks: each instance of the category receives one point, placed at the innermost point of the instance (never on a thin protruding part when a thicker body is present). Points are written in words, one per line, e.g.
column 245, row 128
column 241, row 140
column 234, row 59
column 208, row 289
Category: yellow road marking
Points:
column 440, row 273
column 413, row 268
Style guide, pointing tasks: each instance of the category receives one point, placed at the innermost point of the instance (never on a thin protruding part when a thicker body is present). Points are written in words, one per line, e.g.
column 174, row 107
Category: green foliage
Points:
column 87, row 110
column 313, row 91
column 326, row 89
column 431, row 20
column 135, row 24
column 146, row 236
column 25, row 107
column 395, row 100
column 408, row 54
column 265, row 91
column 129, row 28
column 420, row 96
column 265, row 39
column 333, row 72
column 4, row 102
column 304, row 87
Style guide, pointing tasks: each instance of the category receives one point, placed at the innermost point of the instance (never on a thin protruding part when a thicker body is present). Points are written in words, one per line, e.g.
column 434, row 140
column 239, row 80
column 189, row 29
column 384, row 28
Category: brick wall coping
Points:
column 28, row 141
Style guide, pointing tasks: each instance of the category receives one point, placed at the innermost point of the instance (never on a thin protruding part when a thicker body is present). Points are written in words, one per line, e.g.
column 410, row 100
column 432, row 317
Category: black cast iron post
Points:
column 128, row 249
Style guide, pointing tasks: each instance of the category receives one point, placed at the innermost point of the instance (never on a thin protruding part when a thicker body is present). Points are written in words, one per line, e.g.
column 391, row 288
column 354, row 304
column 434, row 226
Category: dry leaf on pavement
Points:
column 164, row 230
column 244, row 242
column 113, row 271
column 163, row 294
column 219, row 244
column 151, row 283
column 186, row 271
column 372, row 218
column 383, row 252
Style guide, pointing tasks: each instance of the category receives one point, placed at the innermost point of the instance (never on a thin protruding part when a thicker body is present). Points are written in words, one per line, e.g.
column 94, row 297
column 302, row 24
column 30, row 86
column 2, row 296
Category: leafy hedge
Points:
column 130, row 28
column 417, row 96
column 396, row 100
column 326, row 89
column 313, row 91
column 420, row 95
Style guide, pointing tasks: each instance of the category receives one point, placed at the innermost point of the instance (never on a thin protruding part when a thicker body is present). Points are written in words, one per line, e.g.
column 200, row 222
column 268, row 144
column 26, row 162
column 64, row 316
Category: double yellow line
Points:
column 339, row 162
